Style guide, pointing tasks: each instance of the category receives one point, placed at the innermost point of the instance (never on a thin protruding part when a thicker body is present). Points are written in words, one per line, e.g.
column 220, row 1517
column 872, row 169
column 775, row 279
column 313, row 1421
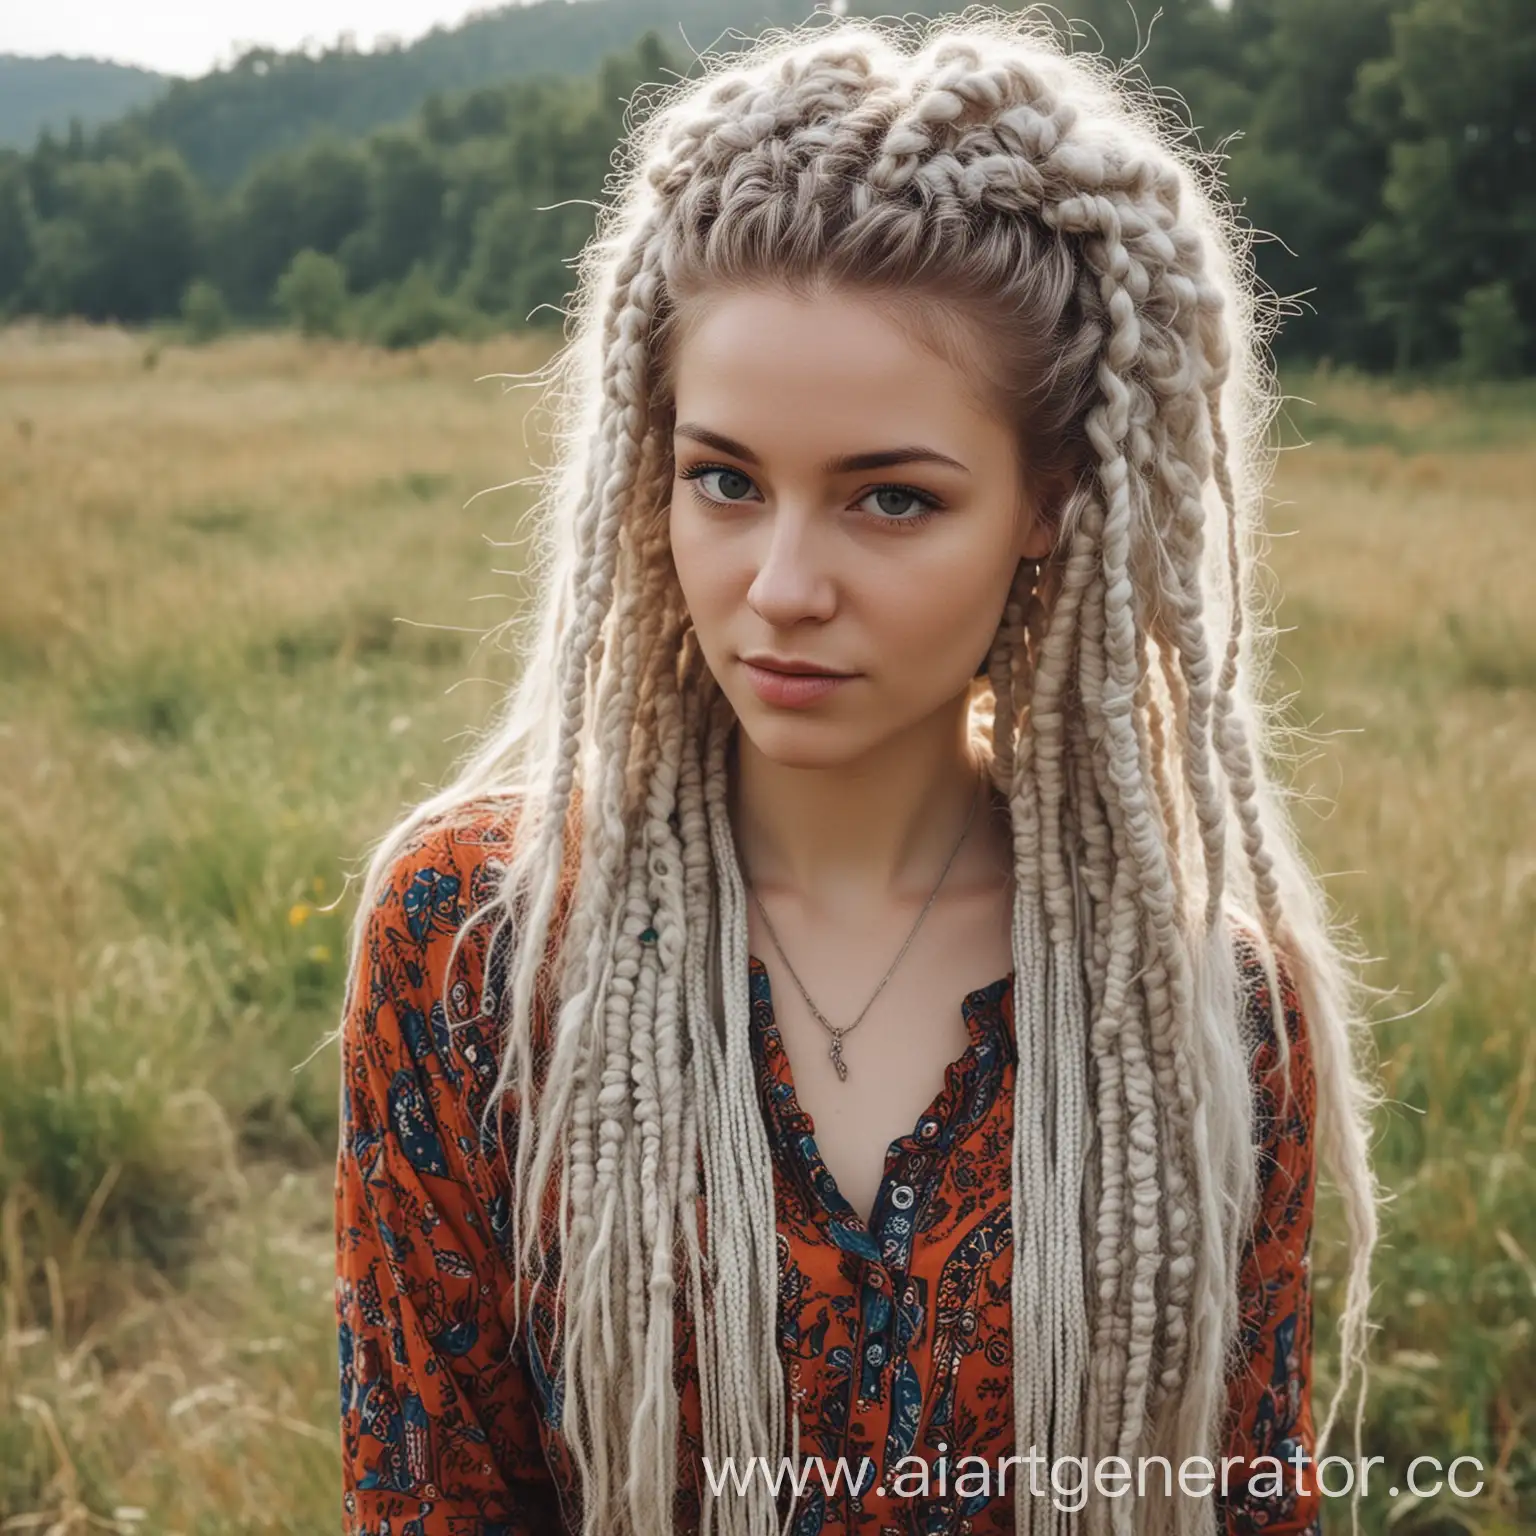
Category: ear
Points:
column 1037, row 517
column 1037, row 532
column 1039, row 539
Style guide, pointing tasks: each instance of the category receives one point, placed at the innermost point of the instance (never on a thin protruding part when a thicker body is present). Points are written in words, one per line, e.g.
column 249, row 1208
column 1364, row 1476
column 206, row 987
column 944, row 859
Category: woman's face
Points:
column 841, row 499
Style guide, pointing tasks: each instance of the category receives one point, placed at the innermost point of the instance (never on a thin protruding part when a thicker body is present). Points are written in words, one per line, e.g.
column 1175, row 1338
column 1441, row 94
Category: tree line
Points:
column 1383, row 150
column 270, row 100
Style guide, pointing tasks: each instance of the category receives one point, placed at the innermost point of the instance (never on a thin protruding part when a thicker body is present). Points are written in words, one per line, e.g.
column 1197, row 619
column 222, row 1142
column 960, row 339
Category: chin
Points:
column 792, row 739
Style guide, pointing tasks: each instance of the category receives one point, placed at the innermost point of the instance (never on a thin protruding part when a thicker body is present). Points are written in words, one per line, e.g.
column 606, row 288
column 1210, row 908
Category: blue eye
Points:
column 699, row 471
column 927, row 504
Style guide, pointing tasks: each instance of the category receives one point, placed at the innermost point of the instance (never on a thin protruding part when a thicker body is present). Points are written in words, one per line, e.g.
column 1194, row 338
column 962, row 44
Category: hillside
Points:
column 268, row 101
column 46, row 93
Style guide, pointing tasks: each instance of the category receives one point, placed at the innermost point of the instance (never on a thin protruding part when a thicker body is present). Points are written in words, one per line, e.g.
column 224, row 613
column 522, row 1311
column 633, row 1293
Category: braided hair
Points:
column 1025, row 210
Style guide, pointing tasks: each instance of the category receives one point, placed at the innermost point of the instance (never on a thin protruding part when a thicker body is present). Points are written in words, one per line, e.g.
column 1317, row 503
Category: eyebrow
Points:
column 844, row 464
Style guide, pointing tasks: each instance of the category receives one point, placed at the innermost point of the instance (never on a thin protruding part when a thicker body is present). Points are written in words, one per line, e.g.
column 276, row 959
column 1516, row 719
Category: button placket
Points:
column 897, row 1210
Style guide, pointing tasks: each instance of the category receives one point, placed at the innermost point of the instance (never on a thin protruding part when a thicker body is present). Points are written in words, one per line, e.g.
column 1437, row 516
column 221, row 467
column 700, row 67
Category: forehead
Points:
column 777, row 370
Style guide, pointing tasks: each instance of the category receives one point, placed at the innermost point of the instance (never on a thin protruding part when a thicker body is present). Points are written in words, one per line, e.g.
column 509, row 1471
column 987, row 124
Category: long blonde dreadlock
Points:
column 986, row 184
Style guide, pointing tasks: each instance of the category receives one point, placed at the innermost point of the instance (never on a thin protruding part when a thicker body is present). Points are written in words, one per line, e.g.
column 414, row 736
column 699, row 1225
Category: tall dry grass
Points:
column 209, row 703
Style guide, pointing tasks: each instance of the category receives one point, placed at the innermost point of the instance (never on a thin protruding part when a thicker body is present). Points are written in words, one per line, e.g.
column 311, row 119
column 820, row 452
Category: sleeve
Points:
column 439, row 1421
column 1270, row 1441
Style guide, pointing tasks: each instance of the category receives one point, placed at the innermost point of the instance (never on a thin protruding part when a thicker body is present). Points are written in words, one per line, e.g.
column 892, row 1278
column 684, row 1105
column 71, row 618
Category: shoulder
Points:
column 401, row 995
column 458, row 846
column 434, row 952
column 417, row 1066
column 446, row 869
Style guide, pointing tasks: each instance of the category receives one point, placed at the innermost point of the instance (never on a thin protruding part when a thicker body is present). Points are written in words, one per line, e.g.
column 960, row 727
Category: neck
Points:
column 870, row 831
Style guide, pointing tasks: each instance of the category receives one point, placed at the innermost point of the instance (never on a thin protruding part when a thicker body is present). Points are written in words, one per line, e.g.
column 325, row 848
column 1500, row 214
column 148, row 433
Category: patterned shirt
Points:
column 895, row 1333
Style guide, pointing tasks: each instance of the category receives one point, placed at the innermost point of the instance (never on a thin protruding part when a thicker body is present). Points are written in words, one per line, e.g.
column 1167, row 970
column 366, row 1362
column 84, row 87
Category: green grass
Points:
column 209, row 705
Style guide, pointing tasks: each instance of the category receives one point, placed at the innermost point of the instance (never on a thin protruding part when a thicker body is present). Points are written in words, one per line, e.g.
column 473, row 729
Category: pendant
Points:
column 836, row 1053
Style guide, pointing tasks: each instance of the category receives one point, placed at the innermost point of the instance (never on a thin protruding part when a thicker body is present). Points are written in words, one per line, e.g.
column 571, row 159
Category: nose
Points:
column 795, row 579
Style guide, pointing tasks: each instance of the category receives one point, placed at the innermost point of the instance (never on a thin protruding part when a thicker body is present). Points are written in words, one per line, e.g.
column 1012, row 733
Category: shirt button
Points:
column 875, row 1354
column 901, row 1196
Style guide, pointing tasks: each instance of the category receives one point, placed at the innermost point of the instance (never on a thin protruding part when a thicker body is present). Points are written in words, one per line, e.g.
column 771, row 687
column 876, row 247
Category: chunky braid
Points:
column 595, row 555
column 1037, row 221
column 1122, row 310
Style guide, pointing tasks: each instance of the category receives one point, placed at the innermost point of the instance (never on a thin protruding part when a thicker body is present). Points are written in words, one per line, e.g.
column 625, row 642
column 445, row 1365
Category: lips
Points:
column 791, row 690
column 795, row 671
column 786, row 670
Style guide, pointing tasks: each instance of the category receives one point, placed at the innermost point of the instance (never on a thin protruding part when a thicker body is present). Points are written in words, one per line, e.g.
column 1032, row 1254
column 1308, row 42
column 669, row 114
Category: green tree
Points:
column 312, row 293
column 407, row 186
column 417, row 312
column 1458, row 208
column 519, row 264
column 332, row 194
column 309, row 200
column 258, row 232
column 125, row 243
column 46, row 166
column 1307, row 171
column 166, row 218
column 481, row 171
column 18, row 231
column 1492, row 333
column 85, row 260
column 204, row 313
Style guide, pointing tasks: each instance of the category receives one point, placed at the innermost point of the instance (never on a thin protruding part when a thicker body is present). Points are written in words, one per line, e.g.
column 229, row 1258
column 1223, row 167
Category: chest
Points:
column 905, row 1039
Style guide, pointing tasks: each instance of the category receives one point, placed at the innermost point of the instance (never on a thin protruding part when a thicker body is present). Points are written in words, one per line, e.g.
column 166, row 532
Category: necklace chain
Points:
column 836, row 1051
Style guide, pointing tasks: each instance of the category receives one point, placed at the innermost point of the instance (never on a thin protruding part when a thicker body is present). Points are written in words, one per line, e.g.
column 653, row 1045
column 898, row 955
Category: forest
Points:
column 1383, row 153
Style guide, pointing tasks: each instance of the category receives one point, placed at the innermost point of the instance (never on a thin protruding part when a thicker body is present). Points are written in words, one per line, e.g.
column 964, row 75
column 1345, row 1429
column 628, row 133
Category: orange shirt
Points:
column 896, row 1334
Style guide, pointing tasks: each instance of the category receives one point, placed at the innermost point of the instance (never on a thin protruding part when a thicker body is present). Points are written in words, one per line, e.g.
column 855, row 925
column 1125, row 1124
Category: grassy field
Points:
column 241, row 617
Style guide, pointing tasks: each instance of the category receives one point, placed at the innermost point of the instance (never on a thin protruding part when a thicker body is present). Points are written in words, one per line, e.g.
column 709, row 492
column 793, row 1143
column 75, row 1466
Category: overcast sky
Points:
column 188, row 37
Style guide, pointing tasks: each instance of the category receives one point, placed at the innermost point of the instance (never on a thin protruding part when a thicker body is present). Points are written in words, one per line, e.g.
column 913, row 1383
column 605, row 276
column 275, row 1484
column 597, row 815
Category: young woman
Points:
column 862, row 1002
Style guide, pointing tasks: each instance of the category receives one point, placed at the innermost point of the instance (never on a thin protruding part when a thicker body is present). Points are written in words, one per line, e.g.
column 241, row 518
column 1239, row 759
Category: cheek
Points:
column 687, row 556
column 704, row 577
column 936, row 610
